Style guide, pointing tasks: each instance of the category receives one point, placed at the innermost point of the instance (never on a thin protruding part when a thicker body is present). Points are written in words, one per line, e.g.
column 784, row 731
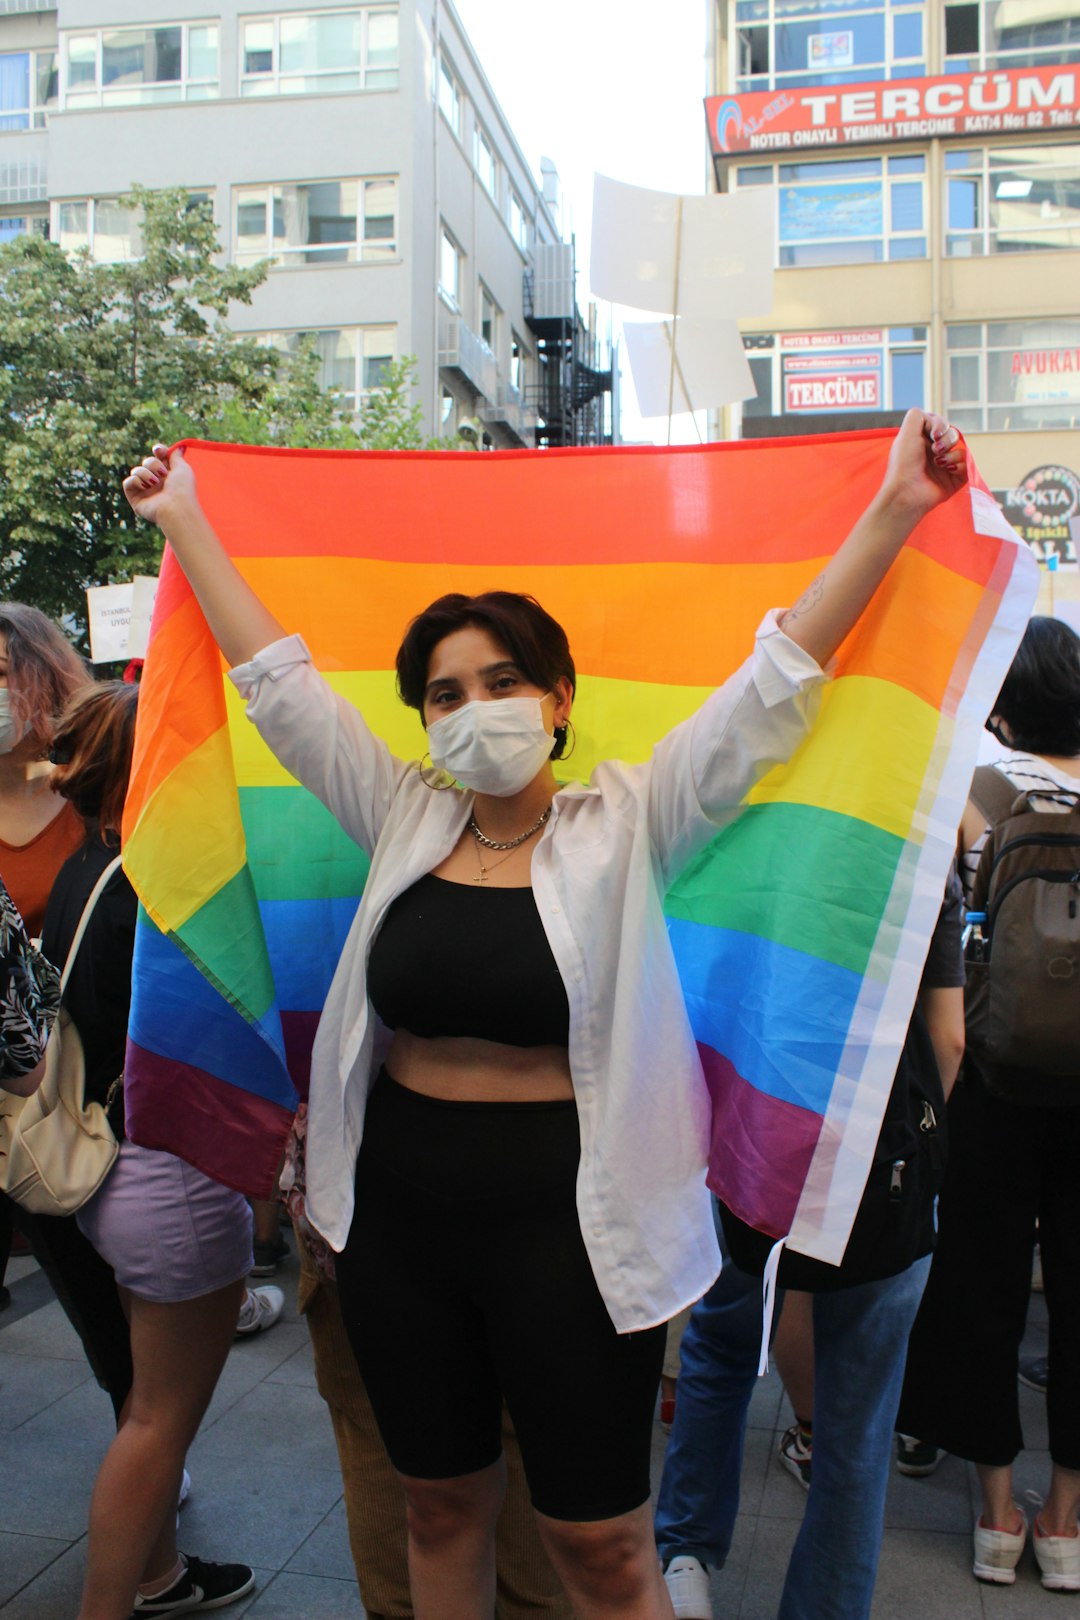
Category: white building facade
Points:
column 358, row 146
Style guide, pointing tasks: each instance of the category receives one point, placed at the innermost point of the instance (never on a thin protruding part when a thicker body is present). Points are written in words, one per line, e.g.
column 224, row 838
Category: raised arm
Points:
column 926, row 465
column 162, row 490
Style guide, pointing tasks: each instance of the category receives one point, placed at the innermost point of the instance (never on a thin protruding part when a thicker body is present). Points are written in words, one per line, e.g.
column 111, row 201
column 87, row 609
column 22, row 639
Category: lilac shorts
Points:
column 168, row 1231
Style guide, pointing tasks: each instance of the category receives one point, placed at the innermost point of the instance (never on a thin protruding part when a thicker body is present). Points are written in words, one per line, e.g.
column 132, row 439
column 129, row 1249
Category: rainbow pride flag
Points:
column 800, row 932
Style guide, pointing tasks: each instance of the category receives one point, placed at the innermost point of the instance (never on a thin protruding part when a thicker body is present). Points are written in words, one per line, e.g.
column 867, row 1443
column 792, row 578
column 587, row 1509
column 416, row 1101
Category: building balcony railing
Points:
column 512, row 413
column 22, row 178
column 461, row 350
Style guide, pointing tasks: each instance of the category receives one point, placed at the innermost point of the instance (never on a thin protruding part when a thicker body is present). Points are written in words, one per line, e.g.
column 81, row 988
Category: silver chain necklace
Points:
column 493, row 843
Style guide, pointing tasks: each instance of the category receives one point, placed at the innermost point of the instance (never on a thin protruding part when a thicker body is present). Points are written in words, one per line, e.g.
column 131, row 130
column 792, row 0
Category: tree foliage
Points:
column 97, row 361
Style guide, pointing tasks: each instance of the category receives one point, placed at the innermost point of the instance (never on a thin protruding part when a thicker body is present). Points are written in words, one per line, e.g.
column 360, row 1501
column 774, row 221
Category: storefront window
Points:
column 1012, row 200
column 1014, row 375
column 826, row 373
column 851, row 211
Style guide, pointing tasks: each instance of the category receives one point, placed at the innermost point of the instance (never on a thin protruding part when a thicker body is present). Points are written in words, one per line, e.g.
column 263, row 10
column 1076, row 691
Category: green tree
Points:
column 97, row 361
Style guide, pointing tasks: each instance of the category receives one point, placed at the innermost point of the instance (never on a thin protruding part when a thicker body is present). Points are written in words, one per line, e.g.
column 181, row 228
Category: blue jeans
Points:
column 860, row 1344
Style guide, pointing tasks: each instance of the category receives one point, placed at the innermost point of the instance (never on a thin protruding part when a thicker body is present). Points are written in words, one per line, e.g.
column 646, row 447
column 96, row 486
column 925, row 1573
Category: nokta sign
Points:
column 1006, row 102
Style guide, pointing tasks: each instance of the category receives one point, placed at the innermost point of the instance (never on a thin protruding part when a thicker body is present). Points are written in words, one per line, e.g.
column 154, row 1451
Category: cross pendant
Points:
column 482, row 878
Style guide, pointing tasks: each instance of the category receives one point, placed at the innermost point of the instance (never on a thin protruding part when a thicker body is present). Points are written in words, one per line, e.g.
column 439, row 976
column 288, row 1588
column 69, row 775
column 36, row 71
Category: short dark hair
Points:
column 1040, row 699
column 94, row 740
column 44, row 670
column 535, row 641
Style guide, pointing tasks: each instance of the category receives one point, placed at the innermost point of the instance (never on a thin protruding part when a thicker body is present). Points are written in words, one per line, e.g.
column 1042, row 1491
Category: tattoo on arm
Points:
column 809, row 599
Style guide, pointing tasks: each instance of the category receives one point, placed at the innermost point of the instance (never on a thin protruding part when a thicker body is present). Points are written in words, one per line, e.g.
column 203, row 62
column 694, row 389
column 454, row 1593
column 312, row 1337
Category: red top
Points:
column 29, row 870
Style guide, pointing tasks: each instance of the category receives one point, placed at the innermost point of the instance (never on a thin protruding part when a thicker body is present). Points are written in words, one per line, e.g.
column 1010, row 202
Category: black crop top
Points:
column 461, row 959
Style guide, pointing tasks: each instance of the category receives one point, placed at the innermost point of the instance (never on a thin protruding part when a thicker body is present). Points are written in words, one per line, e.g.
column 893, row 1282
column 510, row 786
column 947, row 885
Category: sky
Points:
column 608, row 85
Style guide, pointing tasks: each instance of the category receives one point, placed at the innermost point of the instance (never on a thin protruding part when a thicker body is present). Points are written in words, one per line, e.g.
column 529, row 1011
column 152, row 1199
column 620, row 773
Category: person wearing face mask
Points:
column 39, row 670
column 517, row 1195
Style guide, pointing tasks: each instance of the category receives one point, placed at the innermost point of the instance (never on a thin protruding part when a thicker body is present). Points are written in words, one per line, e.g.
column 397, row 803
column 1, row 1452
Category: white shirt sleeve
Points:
column 320, row 737
column 703, row 770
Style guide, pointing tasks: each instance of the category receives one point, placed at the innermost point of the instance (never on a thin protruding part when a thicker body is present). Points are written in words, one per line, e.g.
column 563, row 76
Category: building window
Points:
column 827, row 373
column 352, row 359
column 127, row 67
column 486, row 166
column 30, row 222
column 798, row 43
column 449, row 96
column 1012, row 200
column 489, row 319
column 1006, row 376
column 450, row 270
column 317, row 53
column 850, row 211
column 447, row 412
column 519, row 222
column 101, row 226
column 29, row 88
column 316, row 222
column 1009, row 34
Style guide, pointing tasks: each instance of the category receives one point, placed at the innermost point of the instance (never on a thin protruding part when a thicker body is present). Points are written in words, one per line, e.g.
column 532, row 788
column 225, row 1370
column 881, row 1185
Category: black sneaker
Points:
column 1034, row 1372
column 915, row 1457
column 201, row 1586
column 268, row 1252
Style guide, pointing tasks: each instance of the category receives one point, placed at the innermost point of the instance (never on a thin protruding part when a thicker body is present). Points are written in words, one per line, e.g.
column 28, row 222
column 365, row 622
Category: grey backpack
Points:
column 1022, row 995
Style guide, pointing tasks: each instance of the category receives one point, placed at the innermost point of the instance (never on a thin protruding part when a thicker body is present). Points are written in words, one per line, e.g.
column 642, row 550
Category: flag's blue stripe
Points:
column 779, row 1016
column 305, row 939
column 178, row 1014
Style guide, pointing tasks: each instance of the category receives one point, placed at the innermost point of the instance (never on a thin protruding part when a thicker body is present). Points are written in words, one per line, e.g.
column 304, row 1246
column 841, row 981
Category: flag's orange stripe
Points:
column 179, row 707
column 620, row 619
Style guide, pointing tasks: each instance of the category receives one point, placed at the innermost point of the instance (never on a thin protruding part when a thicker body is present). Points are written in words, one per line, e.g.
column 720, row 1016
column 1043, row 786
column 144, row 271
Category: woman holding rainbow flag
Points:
column 517, row 1204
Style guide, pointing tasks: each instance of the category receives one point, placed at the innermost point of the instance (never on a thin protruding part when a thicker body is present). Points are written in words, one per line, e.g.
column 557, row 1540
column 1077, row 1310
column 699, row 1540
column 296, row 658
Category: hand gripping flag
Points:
column 800, row 932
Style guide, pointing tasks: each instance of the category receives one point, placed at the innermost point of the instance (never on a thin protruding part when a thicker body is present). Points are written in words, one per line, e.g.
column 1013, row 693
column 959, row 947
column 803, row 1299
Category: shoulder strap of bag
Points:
column 992, row 793
column 95, row 896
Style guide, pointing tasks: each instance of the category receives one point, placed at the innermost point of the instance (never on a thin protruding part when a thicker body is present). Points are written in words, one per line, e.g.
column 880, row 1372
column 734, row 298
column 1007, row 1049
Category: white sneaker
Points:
column 687, row 1581
column 997, row 1552
column 260, row 1310
column 1058, row 1558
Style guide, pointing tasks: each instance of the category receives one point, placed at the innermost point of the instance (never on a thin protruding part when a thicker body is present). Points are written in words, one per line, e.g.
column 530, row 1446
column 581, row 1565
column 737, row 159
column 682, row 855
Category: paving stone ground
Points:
column 267, row 1490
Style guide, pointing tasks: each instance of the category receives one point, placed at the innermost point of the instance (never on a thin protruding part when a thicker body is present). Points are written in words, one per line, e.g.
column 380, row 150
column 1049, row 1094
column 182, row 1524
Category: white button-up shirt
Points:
column 599, row 874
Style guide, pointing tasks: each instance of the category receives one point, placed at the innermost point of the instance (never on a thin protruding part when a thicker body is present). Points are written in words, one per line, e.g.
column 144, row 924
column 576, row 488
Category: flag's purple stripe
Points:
column 177, row 1014
column 299, row 1029
column 760, row 1149
column 228, row 1133
column 781, row 1017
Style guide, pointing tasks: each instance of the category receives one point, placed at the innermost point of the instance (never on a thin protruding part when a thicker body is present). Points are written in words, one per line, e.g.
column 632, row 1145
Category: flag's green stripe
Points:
column 295, row 848
column 225, row 937
column 806, row 878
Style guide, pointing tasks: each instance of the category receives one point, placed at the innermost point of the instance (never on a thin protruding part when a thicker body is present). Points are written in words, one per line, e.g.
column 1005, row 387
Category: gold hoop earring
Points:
column 436, row 787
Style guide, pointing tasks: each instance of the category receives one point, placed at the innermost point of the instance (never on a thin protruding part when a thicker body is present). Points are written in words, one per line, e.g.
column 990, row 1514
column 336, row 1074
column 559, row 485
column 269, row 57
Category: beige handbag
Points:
column 55, row 1147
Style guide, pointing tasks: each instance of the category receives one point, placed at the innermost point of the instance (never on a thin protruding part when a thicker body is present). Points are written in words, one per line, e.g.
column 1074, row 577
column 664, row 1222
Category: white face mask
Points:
column 11, row 732
column 495, row 746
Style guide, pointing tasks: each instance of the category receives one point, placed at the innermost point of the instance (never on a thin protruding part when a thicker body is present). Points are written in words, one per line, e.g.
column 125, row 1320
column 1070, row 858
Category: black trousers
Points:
column 1010, row 1166
column 465, row 1282
column 86, row 1288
